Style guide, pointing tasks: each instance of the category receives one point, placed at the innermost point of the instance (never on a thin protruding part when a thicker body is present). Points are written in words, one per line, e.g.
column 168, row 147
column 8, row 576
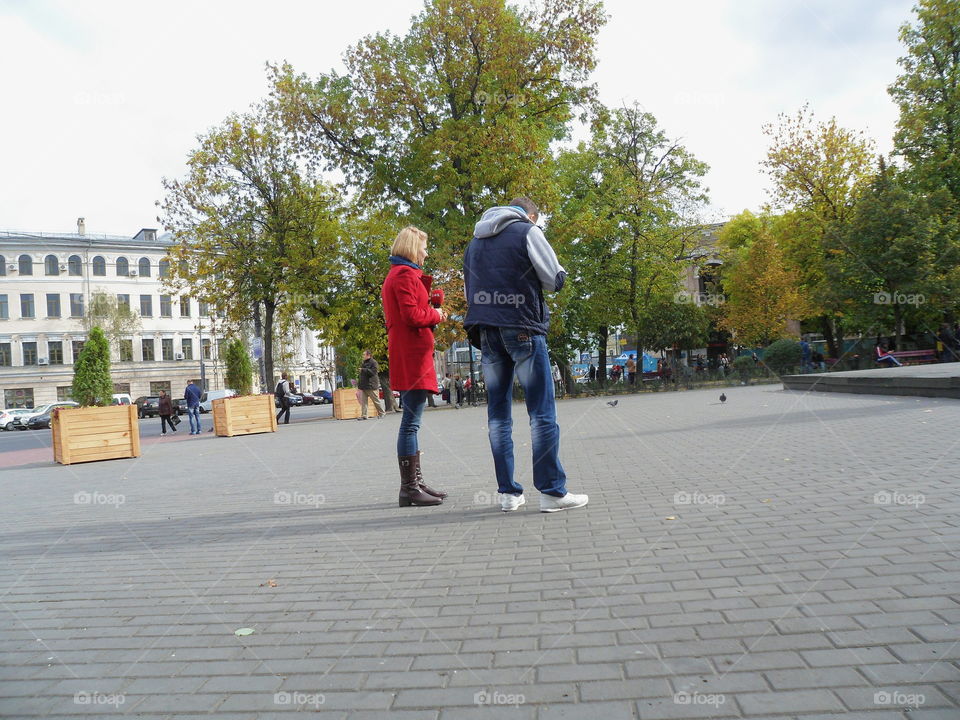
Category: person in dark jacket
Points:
column 166, row 411
column 283, row 394
column 192, row 395
column 369, row 386
column 507, row 267
column 410, row 320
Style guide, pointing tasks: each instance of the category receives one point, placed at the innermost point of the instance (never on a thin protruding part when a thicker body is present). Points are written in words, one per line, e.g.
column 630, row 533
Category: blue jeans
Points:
column 194, row 414
column 505, row 352
column 413, row 402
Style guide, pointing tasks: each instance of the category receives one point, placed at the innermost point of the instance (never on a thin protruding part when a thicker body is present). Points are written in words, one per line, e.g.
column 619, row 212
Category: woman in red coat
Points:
column 410, row 321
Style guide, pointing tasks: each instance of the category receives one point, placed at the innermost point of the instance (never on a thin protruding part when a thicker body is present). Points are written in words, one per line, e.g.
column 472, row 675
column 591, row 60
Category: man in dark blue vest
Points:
column 507, row 267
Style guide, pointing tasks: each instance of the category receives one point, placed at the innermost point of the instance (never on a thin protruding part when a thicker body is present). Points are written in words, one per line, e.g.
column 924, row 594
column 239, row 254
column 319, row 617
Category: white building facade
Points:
column 47, row 281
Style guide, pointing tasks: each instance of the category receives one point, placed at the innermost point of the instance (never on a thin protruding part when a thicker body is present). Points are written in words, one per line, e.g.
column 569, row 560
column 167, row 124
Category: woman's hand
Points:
column 443, row 314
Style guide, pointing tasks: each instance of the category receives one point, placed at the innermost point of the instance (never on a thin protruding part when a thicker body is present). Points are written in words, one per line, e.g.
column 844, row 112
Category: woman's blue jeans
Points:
column 413, row 402
column 507, row 351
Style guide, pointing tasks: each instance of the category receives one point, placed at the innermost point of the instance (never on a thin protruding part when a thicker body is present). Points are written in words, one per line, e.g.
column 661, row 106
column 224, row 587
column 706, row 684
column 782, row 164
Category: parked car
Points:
column 307, row 399
column 121, row 399
column 295, row 400
column 180, row 406
column 206, row 400
column 7, row 416
column 148, row 406
column 323, row 397
column 40, row 422
column 22, row 422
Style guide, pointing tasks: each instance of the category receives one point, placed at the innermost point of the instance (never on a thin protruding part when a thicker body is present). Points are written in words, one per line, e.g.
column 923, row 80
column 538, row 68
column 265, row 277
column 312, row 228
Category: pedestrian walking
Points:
column 632, row 370
column 282, row 393
column 192, row 395
column 165, row 411
column 410, row 320
column 445, row 388
column 458, row 390
column 593, row 372
column 369, row 386
column 510, row 258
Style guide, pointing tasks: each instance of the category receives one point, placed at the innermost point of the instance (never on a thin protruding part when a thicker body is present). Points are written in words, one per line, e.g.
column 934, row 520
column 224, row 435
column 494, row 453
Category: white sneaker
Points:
column 549, row 503
column 509, row 503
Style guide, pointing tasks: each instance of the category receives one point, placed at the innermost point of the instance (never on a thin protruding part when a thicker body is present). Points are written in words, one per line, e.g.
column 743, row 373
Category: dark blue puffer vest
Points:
column 502, row 286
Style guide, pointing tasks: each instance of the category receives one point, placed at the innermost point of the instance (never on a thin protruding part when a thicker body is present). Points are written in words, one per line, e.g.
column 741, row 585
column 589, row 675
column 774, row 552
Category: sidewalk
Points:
column 784, row 555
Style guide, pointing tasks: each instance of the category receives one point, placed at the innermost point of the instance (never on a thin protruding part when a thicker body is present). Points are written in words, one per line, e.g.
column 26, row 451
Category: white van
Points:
column 121, row 399
column 206, row 400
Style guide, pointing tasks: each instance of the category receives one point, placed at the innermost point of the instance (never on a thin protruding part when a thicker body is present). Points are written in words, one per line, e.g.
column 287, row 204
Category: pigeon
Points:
column 612, row 403
column 723, row 398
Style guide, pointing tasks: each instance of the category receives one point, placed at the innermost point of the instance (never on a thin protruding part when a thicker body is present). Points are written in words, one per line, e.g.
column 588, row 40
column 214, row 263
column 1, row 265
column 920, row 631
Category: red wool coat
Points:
column 409, row 318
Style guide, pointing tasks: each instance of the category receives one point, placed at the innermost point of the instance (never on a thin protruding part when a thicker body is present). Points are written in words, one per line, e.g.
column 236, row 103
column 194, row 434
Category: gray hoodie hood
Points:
column 496, row 219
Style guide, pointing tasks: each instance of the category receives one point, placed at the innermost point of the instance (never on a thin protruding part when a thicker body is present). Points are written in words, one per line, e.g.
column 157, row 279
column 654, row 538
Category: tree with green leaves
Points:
column 928, row 93
column 115, row 320
column 239, row 375
column 457, row 114
column 92, row 385
column 251, row 222
column 818, row 169
column 762, row 291
column 897, row 261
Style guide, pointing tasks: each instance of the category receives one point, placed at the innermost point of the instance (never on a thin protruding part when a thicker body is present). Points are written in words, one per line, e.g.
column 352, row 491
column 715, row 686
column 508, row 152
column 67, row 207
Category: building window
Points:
column 164, row 268
column 25, row 266
column 123, row 301
column 55, row 352
column 166, row 349
column 185, row 307
column 99, row 266
column 76, row 305
column 143, row 267
column 205, row 348
column 18, row 398
column 4, row 308
column 51, row 266
column 156, row 387
column 75, row 266
column 53, row 305
column 123, row 267
column 3, row 265
column 166, row 306
column 204, row 309
column 121, row 388
column 29, row 353
column 26, row 305
column 186, row 347
column 6, row 356
column 146, row 305
column 64, row 393
column 126, row 350
column 146, row 350
column 77, row 347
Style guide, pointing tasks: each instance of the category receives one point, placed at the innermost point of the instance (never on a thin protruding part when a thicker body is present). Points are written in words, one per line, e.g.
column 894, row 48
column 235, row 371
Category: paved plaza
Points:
column 782, row 555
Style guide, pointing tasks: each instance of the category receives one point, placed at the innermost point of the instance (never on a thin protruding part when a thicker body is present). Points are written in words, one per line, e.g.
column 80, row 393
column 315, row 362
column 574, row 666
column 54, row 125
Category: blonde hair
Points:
column 407, row 243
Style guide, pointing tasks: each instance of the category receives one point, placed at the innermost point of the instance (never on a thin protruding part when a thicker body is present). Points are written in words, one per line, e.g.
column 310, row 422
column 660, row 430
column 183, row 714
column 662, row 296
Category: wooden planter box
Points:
column 95, row 433
column 345, row 405
column 244, row 415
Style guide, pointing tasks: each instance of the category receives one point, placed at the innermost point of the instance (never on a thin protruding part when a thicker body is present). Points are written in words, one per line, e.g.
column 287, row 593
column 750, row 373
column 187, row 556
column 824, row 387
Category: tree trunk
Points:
column 897, row 320
column 604, row 333
column 388, row 404
column 826, row 327
column 258, row 334
column 269, row 309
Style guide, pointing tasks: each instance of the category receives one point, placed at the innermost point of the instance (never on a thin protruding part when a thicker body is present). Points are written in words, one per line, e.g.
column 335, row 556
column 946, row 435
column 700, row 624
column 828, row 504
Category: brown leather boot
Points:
column 410, row 492
column 428, row 490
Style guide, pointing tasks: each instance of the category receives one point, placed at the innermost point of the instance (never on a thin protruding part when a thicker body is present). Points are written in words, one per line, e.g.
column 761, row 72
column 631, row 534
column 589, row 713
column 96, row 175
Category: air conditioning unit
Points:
column 179, row 356
column 132, row 273
column 43, row 361
column 62, row 268
column 11, row 266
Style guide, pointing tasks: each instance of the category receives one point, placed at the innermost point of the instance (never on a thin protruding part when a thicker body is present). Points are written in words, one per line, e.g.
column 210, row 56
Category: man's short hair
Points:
column 528, row 205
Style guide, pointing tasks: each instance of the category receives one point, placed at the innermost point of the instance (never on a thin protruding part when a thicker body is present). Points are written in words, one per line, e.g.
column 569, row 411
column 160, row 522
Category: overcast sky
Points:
column 101, row 99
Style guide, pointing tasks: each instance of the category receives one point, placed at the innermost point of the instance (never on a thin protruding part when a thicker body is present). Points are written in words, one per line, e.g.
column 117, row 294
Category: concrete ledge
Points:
column 941, row 380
